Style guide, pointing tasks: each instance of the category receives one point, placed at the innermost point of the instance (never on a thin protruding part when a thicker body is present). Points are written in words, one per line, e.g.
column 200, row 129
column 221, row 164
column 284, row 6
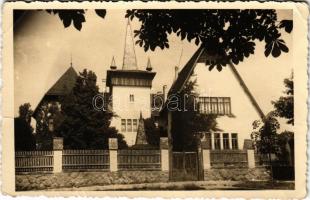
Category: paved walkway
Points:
column 189, row 185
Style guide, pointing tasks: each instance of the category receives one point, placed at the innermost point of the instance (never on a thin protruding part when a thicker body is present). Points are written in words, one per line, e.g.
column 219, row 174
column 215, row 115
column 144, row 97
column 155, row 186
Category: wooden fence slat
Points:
column 33, row 161
column 139, row 160
column 86, row 159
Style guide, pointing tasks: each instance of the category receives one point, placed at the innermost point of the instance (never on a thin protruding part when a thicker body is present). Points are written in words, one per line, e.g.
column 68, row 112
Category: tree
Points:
column 48, row 118
column 84, row 127
column 229, row 35
column 75, row 16
column 266, row 138
column 152, row 132
column 187, row 122
column 23, row 132
column 265, row 134
column 284, row 106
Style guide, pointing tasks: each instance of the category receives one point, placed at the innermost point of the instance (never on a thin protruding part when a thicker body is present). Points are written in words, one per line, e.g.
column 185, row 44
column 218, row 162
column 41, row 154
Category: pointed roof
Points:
column 201, row 56
column 148, row 65
column 113, row 65
column 64, row 84
column 141, row 136
column 129, row 59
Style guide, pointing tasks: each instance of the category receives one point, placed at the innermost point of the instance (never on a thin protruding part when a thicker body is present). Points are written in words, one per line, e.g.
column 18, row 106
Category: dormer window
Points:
column 214, row 105
column 131, row 98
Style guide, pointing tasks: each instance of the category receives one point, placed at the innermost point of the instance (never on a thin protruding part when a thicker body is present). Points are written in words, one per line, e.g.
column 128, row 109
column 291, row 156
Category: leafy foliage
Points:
column 23, row 132
column 286, row 144
column 74, row 16
column 152, row 132
column 48, row 118
column 187, row 122
column 265, row 134
column 228, row 35
column 83, row 126
column 284, row 106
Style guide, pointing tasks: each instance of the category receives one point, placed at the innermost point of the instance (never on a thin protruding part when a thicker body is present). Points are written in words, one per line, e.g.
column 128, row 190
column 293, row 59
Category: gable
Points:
column 199, row 58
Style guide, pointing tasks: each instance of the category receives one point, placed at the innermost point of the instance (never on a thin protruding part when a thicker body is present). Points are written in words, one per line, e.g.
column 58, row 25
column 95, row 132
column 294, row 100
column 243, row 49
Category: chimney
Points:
column 104, row 88
column 176, row 72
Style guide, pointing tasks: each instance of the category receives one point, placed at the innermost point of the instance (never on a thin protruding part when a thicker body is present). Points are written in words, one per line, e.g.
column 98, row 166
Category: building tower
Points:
column 130, row 91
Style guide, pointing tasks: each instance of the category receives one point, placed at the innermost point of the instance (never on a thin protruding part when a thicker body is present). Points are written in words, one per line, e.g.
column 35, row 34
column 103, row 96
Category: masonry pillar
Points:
column 206, row 155
column 113, row 146
column 212, row 141
column 57, row 157
column 248, row 145
column 164, row 154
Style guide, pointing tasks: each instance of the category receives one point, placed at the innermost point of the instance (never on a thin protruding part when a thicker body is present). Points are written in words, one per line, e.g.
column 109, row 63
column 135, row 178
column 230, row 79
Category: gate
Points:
column 185, row 166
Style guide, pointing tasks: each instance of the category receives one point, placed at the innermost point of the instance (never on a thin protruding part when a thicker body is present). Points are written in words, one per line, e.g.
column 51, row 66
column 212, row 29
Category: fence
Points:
column 226, row 158
column 138, row 159
column 114, row 159
column 77, row 160
column 34, row 161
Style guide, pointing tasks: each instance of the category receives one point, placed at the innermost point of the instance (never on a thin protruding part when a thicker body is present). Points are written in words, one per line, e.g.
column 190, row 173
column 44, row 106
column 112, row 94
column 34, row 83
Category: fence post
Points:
column 113, row 154
column 248, row 145
column 164, row 154
column 206, row 155
column 251, row 158
column 57, row 157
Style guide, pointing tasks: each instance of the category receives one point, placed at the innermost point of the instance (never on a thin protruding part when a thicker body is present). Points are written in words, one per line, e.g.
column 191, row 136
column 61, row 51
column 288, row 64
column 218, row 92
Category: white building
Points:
column 222, row 93
column 129, row 91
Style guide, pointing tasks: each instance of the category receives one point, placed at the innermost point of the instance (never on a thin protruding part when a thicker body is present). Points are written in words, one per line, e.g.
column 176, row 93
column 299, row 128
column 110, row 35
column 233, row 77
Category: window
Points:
column 135, row 125
column 220, row 105
column 234, row 140
column 217, row 141
column 215, row 105
column 225, row 141
column 131, row 98
column 214, row 109
column 227, row 105
column 129, row 125
column 123, row 124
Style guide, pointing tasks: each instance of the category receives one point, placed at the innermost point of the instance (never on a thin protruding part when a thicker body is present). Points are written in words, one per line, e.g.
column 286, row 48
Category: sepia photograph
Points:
column 154, row 99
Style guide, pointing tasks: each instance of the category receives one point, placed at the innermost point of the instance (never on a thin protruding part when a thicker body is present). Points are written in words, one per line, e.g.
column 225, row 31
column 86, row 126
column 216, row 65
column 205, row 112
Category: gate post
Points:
column 200, row 159
column 206, row 155
column 113, row 154
column 248, row 145
column 251, row 158
column 164, row 154
column 57, row 156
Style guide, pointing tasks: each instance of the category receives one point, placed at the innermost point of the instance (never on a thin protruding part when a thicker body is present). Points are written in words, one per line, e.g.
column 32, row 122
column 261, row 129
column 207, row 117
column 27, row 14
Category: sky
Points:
column 43, row 49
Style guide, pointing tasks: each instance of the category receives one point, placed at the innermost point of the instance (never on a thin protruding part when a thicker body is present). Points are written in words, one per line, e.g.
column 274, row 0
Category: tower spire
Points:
column 113, row 65
column 148, row 65
column 71, row 60
column 129, row 59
